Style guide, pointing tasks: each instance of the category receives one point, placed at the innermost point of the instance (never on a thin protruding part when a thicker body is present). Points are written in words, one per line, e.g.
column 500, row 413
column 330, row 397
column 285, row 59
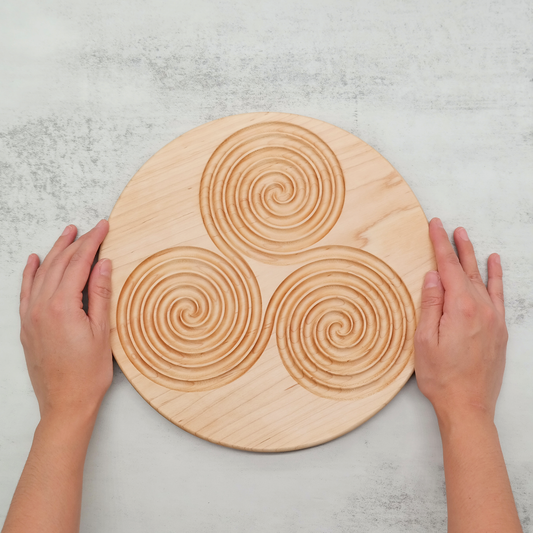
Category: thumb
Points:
column 100, row 293
column 432, row 305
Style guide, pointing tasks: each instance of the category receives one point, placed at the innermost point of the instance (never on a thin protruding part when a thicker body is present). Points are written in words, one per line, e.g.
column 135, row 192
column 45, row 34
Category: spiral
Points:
column 271, row 190
column 189, row 320
column 344, row 323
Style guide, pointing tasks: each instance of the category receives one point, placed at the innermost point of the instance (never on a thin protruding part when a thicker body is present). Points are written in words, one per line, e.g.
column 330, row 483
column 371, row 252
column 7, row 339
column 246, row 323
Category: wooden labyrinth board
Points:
column 267, row 271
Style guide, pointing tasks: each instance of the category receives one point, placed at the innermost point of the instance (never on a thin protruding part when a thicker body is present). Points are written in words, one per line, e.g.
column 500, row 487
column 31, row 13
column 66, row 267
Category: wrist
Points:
column 62, row 411
column 463, row 419
column 68, row 427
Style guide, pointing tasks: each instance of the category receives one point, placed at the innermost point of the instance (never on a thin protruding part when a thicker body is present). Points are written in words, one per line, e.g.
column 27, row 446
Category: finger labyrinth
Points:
column 344, row 321
column 192, row 319
column 345, row 324
column 271, row 190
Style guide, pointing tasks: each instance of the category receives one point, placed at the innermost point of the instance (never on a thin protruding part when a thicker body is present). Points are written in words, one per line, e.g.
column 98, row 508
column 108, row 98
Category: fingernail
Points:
column 29, row 257
column 497, row 258
column 461, row 232
column 105, row 267
column 432, row 279
column 438, row 222
column 66, row 231
column 100, row 223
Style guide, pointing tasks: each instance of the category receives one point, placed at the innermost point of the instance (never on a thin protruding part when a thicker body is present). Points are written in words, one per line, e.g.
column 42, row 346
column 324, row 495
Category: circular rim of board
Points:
column 267, row 271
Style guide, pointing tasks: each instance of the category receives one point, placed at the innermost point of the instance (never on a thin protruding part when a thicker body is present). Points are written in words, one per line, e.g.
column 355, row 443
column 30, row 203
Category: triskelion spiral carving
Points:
column 271, row 190
column 192, row 319
column 344, row 321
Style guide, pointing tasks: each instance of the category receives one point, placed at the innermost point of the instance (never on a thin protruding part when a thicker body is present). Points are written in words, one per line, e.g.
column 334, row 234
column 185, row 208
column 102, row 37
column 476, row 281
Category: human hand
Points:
column 67, row 351
column 461, row 337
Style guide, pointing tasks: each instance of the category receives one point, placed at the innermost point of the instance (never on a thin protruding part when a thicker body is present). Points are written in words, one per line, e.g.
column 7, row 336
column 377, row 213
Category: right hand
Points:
column 461, row 337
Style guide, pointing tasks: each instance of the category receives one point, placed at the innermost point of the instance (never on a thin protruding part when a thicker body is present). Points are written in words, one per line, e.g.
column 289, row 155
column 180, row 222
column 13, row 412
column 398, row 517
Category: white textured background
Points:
column 90, row 90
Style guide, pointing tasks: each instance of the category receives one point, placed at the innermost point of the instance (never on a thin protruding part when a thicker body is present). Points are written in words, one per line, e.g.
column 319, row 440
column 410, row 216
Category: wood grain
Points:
column 267, row 272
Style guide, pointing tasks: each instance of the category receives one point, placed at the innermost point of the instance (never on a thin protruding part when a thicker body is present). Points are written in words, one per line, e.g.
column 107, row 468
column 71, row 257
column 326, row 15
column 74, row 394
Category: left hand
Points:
column 67, row 351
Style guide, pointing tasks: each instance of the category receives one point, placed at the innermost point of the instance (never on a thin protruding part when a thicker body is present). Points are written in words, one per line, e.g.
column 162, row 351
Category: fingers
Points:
column 27, row 281
column 451, row 272
column 100, row 293
column 468, row 258
column 495, row 284
column 81, row 256
column 64, row 241
column 432, row 306
column 61, row 262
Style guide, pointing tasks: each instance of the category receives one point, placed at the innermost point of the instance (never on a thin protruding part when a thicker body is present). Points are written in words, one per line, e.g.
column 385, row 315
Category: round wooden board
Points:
column 267, row 271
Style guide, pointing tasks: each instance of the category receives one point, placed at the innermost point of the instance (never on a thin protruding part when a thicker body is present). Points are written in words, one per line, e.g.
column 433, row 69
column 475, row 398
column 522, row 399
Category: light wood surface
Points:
column 267, row 271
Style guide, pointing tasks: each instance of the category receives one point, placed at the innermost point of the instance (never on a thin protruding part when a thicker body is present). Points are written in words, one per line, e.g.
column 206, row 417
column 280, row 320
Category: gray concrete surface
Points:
column 90, row 90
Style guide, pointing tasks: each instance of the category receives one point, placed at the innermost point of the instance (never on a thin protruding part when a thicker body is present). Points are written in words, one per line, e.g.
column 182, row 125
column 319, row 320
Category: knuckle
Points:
column 57, row 306
column 431, row 300
column 475, row 277
column 498, row 294
column 102, row 291
column 496, row 274
column 58, row 261
column 451, row 258
column 77, row 257
column 40, row 273
column 467, row 306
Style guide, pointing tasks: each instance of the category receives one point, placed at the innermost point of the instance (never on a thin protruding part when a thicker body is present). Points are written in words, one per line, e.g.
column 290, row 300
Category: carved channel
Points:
column 190, row 320
column 270, row 191
column 344, row 323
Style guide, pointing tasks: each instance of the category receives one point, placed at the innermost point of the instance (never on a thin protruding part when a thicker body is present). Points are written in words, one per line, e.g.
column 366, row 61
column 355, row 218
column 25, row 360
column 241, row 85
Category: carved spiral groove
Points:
column 344, row 325
column 189, row 320
column 270, row 191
